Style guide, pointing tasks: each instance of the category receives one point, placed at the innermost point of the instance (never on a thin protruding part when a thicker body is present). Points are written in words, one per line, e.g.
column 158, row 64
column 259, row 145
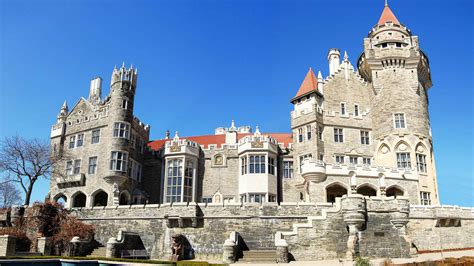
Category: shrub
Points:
column 362, row 261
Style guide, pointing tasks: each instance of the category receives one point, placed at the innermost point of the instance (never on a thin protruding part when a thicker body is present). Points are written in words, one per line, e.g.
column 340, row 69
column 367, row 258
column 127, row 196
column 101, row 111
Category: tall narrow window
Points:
column 77, row 167
column 339, row 158
column 364, row 137
column 271, row 165
column 356, row 110
column 338, row 135
column 403, row 160
column 343, row 108
column 121, row 130
column 188, row 181
column 124, row 104
column 174, row 180
column 92, row 165
column 118, row 161
column 69, row 168
column 80, row 140
column 366, row 161
column 287, row 169
column 399, row 120
column 72, row 142
column 300, row 134
column 133, row 139
column 320, row 133
column 95, row 136
column 308, row 132
column 425, row 198
column 243, row 161
column 353, row 160
column 421, row 162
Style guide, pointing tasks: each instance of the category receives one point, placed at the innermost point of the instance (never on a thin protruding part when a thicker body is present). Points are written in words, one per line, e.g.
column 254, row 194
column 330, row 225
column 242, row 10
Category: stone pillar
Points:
column 44, row 245
column 399, row 220
column 282, row 253
column 112, row 248
column 7, row 245
column 229, row 251
column 354, row 211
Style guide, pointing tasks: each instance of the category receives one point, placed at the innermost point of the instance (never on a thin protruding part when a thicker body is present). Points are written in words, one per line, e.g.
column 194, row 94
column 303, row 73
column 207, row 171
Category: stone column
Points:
column 44, row 245
column 353, row 211
column 399, row 220
column 282, row 253
column 7, row 245
column 229, row 251
column 112, row 248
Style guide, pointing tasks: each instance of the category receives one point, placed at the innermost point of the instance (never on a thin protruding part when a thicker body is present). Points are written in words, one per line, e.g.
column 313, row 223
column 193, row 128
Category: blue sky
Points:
column 203, row 63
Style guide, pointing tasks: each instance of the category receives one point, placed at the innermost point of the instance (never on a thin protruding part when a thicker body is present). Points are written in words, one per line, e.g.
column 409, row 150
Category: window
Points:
column 207, row 200
column 243, row 165
column 384, row 45
column 256, row 197
column 135, row 170
column 321, row 157
column 95, row 136
column 118, row 161
column 353, row 159
column 174, row 180
column 133, row 139
column 308, row 132
column 320, row 133
column 343, row 108
column 77, row 167
column 403, row 160
column 92, row 165
column 421, row 162
column 80, row 140
column 124, row 104
column 425, row 198
column 257, row 164
column 140, row 145
column 188, row 181
column 69, row 168
column 300, row 135
column 366, row 161
column 271, row 198
column 121, row 130
column 356, row 110
column 339, row 158
column 399, row 120
column 364, row 137
column 309, row 155
column 338, row 135
column 287, row 169
column 271, row 165
column 72, row 142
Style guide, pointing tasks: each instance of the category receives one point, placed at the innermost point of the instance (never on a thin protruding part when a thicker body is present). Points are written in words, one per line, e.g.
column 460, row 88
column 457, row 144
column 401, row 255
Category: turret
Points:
column 95, row 90
column 334, row 60
column 63, row 112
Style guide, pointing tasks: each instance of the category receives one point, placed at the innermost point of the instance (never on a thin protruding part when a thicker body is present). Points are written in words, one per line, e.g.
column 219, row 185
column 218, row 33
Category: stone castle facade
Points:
column 364, row 130
column 356, row 175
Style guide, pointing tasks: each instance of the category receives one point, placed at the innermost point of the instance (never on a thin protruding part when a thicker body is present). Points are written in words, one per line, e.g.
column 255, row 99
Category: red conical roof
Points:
column 310, row 83
column 387, row 15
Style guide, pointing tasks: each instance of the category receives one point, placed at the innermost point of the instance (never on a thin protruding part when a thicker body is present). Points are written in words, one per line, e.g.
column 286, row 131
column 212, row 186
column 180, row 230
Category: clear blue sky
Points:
column 203, row 63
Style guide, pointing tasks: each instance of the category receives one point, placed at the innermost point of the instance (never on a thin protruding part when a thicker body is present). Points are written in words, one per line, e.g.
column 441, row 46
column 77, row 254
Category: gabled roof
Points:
column 387, row 15
column 309, row 84
column 218, row 140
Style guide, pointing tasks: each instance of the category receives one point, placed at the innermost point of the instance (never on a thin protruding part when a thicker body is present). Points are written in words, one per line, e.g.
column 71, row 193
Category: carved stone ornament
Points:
column 175, row 147
column 257, row 143
column 219, row 160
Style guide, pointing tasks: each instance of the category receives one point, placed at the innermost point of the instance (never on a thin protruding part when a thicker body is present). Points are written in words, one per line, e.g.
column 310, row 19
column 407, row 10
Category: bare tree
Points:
column 24, row 161
column 9, row 194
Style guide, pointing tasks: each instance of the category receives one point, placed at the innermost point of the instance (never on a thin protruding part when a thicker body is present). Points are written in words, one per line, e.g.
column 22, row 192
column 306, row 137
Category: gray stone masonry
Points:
column 7, row 245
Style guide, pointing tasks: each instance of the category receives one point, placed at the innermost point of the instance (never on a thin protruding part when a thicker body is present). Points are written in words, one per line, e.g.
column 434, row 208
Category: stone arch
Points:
column 394, row 191
column 125, row 198
column 99, row 198
column 60, row 198
column 335, row 190
column 384, row 148
column 78, row 199
column 367, row 189
column 402, row 146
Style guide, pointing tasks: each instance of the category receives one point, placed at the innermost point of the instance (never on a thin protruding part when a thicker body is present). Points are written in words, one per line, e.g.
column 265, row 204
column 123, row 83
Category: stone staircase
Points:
column 98, row 252
column 258, row 256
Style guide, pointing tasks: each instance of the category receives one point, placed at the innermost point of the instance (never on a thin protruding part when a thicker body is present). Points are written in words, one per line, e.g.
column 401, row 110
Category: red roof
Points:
column 387, row 15
column 310, row 83
column 218, row 140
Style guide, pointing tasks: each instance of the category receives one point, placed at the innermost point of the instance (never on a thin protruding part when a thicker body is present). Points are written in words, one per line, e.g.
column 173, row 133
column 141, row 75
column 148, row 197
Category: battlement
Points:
column 124, row 75
column 137, row 124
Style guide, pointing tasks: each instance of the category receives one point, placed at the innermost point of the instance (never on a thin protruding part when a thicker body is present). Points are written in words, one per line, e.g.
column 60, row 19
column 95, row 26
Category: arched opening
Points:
column 79, row 200
column 61, row 199
column 367, row 190
column 124, row 198
column 100, row 198
column 394, row 192
column 335, row 191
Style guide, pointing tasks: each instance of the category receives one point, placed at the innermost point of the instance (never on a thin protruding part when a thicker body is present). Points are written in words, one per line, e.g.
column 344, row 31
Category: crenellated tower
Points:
column 399, row 73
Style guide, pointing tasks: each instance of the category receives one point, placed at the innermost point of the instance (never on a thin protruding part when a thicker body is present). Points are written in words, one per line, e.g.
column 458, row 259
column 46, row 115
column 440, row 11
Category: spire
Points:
column 387, row 15
column 176, row 137
column 257, row 131
column 320, row 76
column 346, row 57
column 310, row 83
column 64, row 105
column 232, row 126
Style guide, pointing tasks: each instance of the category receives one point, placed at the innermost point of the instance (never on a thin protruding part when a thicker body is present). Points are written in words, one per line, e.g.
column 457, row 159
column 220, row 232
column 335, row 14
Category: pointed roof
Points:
column 310, row 83
column 387, row 15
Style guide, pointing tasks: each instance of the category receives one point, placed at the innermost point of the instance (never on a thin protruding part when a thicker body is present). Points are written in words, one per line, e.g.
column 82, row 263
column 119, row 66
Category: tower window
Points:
column 72, row 142
column 92, row 165
column 95, row 136
column 271, row 165
column 425, row 198
column 125, row 104
column 188, row 181
column 257, row 164
column 403, row 160
column 121, row 130
column 320, row 133
column 80, row 140
column 243, row 166
column 421, row 162
column 308, row 132
column 287, row 169
column 364, row 137
column 338, row 135
column 300, row 135
column 343, row 108
column 174, row 180
column 69, row 168
column 118, row 161
column 339, row 158
column 356, row 110
column 77, row 167
column 399, row 120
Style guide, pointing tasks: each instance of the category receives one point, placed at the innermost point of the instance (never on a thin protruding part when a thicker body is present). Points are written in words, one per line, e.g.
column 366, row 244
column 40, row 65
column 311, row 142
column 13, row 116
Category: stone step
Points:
column 258, row 256
column 98, row 252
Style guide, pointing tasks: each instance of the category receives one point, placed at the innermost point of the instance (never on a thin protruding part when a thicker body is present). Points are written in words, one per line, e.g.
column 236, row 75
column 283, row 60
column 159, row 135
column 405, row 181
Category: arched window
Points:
column 394, row 191
column 334, row 191
column 100, row 198
column 78, row 200
column 60, row 198
column 367, row 190
column 124, row 198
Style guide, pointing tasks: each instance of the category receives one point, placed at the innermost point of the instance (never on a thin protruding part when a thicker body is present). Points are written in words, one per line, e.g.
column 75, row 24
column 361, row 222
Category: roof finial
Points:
column 167, row 134
column 386, row 2
column 346, row 57
column 176, row 137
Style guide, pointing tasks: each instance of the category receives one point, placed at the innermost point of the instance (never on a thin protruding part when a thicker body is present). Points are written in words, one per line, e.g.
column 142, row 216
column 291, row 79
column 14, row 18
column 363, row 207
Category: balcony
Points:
column 313, row 171
column 71, row 180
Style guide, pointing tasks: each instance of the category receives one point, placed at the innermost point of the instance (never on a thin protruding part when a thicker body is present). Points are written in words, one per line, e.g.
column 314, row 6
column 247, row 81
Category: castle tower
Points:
column 399, row 73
